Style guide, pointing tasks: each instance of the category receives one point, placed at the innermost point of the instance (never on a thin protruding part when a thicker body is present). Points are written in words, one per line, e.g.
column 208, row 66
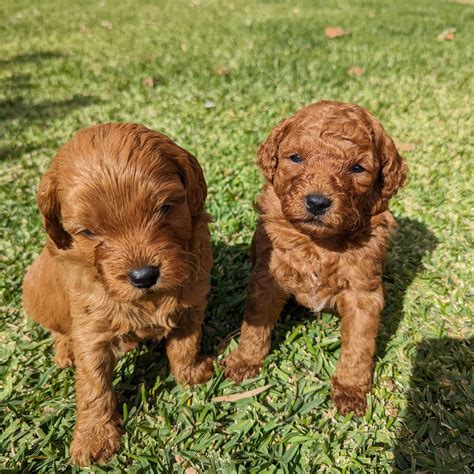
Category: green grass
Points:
column 64, row 66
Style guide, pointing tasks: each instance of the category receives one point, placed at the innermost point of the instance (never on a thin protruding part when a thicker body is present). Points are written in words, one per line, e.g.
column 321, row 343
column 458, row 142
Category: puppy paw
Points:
column 64, row 356
column 197, row 373
column 349, row 399
column 95, row 444
column 238, row 369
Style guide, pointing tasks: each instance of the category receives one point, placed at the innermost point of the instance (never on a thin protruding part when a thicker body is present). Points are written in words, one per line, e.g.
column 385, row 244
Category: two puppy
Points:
column 128, row 254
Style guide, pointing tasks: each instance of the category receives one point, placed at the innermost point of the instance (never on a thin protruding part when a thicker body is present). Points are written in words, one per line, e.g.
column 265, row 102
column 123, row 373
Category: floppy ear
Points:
column 48, row 202
column 193, row 178
column 393, row 171
column 267, row 157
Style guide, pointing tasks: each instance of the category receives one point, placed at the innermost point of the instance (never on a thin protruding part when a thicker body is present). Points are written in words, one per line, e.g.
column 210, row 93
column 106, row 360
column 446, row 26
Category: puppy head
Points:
column 332, row 166
column 121, row 199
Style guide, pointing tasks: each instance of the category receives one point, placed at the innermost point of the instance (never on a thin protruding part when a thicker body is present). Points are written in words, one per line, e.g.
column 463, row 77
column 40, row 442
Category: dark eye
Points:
column 357, row 169
column 296, row 159
column 88, row 234
column 164, row 209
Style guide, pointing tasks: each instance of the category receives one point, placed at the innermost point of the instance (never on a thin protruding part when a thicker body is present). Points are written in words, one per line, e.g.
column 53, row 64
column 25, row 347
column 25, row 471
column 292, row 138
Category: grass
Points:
column 223, row 74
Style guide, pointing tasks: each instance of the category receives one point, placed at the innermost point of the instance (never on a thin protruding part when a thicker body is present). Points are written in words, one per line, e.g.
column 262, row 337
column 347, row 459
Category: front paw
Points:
column 238, row 369
column 64, row 356
column 91, row 444
column 347, row 398
column 199, row 372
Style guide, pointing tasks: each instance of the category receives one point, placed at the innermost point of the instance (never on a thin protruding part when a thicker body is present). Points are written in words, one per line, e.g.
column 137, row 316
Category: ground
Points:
column 216, row 76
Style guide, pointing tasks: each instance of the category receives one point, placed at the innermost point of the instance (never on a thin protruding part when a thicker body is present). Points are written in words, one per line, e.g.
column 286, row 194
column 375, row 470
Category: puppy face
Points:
column 121, row 199
column 332, row 166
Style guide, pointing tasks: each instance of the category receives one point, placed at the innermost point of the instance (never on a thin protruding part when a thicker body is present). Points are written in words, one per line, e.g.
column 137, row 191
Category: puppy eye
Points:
column 357, row 169
column 296, row 159
column 164, row 209
column 88, row 234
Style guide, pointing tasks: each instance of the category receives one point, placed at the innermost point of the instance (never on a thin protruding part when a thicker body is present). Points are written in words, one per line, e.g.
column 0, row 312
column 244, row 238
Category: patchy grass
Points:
column 223, row 74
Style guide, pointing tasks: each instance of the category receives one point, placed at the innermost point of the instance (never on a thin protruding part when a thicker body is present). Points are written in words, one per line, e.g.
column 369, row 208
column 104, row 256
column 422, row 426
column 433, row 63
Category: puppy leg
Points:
column 97, row 434
column 47, row 303
column 360, row 317
column 127, row 346
column 183, row 347
column 265, row 301
column 64, row 350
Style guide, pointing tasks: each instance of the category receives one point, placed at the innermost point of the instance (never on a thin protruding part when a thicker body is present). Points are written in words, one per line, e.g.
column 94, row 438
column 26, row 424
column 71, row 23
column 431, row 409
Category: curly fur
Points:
column 333, row 261
column 113, row 180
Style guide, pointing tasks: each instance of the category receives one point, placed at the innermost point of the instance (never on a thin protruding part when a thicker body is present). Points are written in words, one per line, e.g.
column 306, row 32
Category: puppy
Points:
column 128, row 257
column 322, row 237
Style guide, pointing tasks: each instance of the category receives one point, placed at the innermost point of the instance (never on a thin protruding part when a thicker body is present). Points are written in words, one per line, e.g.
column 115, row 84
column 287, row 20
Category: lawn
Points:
column 216, row 76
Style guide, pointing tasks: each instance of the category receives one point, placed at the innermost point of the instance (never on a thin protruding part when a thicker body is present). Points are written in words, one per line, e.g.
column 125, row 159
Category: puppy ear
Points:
column 267, row 157
column 48, row 202
column 193, row 178
column 394, row 170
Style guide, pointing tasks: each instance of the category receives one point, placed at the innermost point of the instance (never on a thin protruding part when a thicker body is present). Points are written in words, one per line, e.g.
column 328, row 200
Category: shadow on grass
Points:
column 437, row 432
column 229, row 279
column 18, row 109
column 29, row 58
column 149, row 364
column 410, row 243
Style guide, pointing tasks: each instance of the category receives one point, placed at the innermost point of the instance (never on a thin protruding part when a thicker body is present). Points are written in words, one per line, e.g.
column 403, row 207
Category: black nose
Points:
column 317, row 204
column 144, row 277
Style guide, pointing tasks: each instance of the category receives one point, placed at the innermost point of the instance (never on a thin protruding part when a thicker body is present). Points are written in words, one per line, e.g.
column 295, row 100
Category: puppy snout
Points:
column 144, row 277
column 317, row 204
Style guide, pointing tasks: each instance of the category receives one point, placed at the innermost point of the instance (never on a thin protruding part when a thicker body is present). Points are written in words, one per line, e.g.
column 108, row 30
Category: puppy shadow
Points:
column 143, row 366
column 229, row 278
column 411, row 242
column 436, row 433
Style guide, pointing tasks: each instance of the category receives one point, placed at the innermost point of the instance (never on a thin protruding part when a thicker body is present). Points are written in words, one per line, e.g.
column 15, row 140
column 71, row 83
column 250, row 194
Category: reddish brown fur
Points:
column 331, row 262
column 113, row 179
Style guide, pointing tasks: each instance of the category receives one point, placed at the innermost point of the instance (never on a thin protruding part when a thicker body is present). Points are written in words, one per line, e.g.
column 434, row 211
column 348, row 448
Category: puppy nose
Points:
column 144, row 277
column 317, row 204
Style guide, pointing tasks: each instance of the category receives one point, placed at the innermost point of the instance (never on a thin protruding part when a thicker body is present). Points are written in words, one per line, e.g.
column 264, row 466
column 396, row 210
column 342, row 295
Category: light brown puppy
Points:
column 127, row 258
column 322, row 237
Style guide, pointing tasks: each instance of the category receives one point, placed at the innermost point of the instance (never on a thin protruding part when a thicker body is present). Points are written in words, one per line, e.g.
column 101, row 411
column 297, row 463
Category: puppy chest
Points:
column 308, row 279
column 142, row 321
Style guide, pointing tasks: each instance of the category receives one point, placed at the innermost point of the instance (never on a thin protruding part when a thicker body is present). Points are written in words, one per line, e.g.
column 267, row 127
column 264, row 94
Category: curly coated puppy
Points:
column 322, row 237
column 128, row 257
